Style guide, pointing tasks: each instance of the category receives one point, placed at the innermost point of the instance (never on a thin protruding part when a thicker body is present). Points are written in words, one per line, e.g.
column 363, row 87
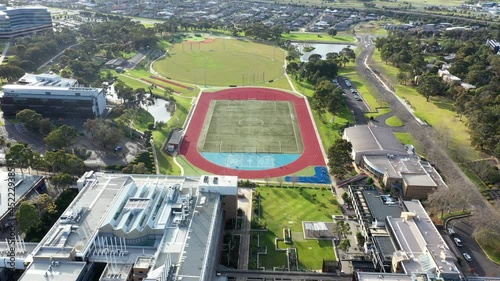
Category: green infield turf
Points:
column 251, row 126
column 222, row 62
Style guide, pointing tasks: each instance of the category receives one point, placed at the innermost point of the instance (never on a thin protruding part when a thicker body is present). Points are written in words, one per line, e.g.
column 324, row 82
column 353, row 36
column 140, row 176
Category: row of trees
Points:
column 55, row 137
column 317, row 69
column 21, row 156
column 474, row 63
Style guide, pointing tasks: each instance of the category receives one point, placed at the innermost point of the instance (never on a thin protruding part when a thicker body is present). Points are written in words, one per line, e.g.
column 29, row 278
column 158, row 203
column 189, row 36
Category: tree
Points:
column 104, row 132
column 332, row 32
column 343, row 229
column 11, row 73
column 339, row 158
column 430, row 85
column 30, row 119
column 61, row 137
column 138, row 168
column 360, row 238
column 61, row 161
column 344, row 245
column 45, row 203
column 27, row 216
column 20, row 155
column 440, row 200
column 62, row 180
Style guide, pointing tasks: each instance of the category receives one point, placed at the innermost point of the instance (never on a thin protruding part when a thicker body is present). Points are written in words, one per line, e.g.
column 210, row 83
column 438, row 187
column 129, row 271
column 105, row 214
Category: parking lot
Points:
column 354, row 99
column 479, row 264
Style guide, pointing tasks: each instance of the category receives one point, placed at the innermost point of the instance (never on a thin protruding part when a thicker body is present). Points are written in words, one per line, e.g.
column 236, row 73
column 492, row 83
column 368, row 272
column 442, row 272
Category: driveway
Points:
column 480, row 263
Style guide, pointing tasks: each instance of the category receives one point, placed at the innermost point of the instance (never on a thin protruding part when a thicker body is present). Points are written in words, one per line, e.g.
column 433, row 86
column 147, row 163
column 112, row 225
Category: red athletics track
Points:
column 312, row 155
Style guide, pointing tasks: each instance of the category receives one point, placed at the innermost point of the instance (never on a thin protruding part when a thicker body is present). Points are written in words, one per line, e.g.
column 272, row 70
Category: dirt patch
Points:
column 207, row 40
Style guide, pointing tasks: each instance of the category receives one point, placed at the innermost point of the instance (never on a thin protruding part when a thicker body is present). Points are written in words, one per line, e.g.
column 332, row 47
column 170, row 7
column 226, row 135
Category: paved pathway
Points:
column 2, row 57
column 246, row 205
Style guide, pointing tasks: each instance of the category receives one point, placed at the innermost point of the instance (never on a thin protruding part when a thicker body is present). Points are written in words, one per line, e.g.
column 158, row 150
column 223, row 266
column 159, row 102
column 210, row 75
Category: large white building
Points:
column 16, row 21
column 136, row 227
column 54, row 96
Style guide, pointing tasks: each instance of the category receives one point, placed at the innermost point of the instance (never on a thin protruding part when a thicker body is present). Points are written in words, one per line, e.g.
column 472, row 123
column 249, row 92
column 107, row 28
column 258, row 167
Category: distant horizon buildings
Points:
column 18, row 21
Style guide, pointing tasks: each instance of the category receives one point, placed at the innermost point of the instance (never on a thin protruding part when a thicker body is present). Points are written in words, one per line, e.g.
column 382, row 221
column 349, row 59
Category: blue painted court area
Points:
column 250, row 161
column 320, row 176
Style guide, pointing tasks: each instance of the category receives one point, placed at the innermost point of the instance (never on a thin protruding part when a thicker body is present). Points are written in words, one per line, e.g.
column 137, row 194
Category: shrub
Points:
column 151, row 126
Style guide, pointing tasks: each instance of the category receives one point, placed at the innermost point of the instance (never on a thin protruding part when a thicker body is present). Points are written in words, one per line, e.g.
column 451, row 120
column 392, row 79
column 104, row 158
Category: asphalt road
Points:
column 358, row 108
column 427, row 137
column 481, row 265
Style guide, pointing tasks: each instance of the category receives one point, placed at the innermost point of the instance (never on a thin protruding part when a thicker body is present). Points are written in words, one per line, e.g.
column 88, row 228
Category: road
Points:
column 480, row 263
column 2, row 57
column 56, row 56
column 426, row 136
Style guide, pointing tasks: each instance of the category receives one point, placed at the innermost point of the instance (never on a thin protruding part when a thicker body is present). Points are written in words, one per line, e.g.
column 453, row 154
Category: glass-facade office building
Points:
column 16, row 21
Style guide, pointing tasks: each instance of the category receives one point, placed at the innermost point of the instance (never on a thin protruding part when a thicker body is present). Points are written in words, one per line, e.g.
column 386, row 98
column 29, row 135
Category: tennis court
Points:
column 251, row 126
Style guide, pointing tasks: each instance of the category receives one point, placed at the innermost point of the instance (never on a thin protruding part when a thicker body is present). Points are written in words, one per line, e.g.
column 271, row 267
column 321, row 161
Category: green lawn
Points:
column 317, row 37
column 438, row 112
column 407, row 138
column 288, row 207
column 190, row 169
column 142, row 119
column 222, row 62
column 490, row 243
column 394, row 121
column 166, row 162
column 328, row 125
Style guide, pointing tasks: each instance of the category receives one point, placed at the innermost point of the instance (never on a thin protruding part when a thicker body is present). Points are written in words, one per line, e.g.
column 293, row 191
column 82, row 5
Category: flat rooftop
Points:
column 418, row 180
column 379, row 206
column 384, row 244
column 371, row 138
column 206, row 180
column 65, row 271
column 184, row 239
column 46, row 80
column 394, row 165
column 377, row 276
column 420, row 240
column 23, row 185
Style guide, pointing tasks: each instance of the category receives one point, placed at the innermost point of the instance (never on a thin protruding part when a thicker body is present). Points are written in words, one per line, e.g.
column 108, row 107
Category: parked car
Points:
column 458, row 242
column 467, row 257
column 451, row 231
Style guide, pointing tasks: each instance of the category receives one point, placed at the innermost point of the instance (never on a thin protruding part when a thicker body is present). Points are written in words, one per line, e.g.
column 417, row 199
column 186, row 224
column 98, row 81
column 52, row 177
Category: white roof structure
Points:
column 422, row 248
column 315, row 226
column 115, row 219
column 372, row 139
column 23, row 184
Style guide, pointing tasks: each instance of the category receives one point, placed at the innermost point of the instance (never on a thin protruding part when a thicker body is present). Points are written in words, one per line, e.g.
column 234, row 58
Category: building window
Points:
column 47, row 93
column 77, row 94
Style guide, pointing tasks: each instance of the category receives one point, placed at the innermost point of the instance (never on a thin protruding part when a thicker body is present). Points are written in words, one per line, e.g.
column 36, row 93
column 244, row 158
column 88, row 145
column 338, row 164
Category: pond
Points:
column 159, row 110
column 319, row 48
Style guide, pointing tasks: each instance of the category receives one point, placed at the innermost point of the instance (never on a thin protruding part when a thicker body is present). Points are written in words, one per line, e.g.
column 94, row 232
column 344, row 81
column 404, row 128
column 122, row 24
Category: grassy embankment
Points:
column 438, row 112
